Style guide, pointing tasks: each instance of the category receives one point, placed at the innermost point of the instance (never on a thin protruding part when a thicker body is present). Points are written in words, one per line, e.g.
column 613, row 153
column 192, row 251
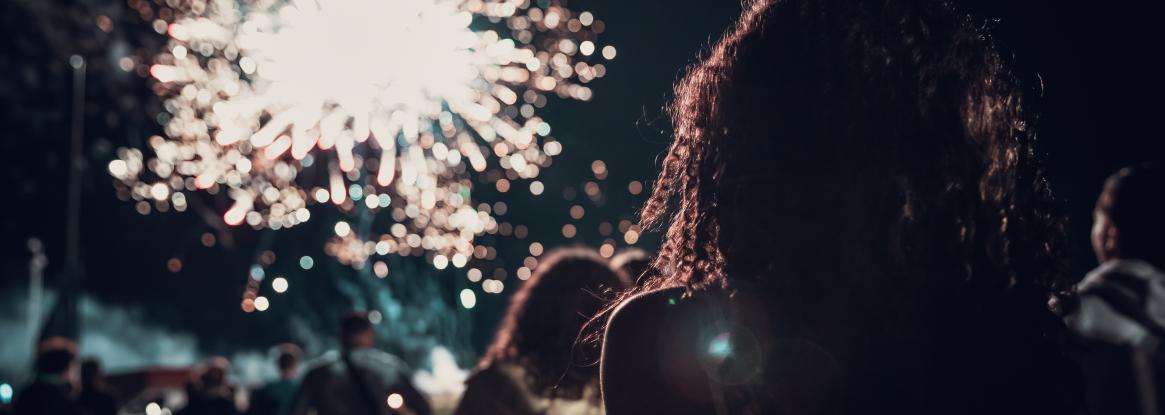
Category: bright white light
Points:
column 342, row 229
column 261, row 303
column 153, row 408
column 468, row 298
column 279, row 284
column 395, row 401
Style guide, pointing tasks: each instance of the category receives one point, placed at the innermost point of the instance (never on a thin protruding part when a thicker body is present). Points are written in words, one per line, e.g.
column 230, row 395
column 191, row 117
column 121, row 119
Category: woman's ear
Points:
column 1112, row 241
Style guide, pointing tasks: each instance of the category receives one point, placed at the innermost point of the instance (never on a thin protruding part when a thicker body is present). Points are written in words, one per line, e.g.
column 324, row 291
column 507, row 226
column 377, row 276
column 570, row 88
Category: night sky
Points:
column 1102, row 111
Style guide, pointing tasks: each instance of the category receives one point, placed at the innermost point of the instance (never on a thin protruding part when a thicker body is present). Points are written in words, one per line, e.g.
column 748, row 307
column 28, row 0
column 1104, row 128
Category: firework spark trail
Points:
column 399, row 102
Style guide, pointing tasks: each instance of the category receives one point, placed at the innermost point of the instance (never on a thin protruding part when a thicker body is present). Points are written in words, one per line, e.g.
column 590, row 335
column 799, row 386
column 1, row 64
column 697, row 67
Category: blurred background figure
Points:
column 631, row 263
column 533, row 365
column 276, row 396
column 96, row 397
column 1121, row 304
column 210, row 393
column 52, row 390
column 360, row 380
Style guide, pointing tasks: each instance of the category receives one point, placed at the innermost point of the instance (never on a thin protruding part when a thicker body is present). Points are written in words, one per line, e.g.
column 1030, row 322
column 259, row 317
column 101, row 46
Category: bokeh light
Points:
column 468, row 298
column 279, row 284
column 395, row 401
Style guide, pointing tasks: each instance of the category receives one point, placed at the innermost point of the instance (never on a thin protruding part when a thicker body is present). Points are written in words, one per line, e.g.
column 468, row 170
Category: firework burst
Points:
column 389, row 104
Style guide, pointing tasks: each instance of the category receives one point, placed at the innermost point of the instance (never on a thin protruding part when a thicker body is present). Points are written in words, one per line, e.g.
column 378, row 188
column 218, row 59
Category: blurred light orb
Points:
column 395, row 401
column 468, row 298
column 174, row 265
column 153, row 408
column 607, row 250
column 6, row 393
column 342, row 229
column 380, row 269
column 261, row 303
column 279, row 284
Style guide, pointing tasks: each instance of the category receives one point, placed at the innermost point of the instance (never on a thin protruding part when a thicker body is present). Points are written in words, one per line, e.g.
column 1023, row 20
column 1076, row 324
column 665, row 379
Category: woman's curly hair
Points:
column 542, row 324
column 891, row 136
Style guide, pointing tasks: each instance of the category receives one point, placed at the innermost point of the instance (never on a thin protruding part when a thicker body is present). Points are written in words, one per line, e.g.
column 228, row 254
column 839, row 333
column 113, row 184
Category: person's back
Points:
column 331, row 385
column 95, row 397
column 359, row 379
column 1120, row 310
column 51, row 391
column 275, row 397
column 210, row 393
column 856, row 222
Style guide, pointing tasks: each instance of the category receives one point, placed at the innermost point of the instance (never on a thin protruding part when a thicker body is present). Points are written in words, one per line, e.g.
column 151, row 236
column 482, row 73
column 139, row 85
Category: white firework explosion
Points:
column 395, row 102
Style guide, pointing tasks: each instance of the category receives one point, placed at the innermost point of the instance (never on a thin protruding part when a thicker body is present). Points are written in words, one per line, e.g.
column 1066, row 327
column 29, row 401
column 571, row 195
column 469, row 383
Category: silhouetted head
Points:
column 91, row 373
column 546, row 316
column 214, row 372
column 1129, row 220
column 287, row 359
column 356, row 331
column 631, row 263
column 867, row 171
column 829, row 147
column 56, row 356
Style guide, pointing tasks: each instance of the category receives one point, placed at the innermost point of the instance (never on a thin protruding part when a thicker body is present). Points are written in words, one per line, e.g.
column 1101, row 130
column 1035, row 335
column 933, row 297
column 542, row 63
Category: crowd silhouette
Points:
column 854, row 220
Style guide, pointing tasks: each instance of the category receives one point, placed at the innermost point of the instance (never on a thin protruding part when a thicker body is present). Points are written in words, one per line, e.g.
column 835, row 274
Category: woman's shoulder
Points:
column 672, row 311
column 651, row 354
column 646, row 305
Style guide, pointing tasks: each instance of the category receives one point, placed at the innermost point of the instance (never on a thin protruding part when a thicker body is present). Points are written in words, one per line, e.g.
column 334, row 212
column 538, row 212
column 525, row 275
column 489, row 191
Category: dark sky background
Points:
column 1102, row 111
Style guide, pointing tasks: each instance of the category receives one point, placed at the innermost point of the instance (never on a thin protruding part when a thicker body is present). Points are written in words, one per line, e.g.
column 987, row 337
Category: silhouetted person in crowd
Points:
column 856, row 222
column 533, row 365
column 211, row 393
column 1121, row 304
column 631, row 263
column 360, row 380
column 275, row 397
column 52, row 390
column 96, row 398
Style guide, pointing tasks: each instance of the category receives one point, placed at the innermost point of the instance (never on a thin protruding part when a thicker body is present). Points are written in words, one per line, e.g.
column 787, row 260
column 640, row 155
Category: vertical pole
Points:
column 71, row 287
column 76, row 162
column 36, row 266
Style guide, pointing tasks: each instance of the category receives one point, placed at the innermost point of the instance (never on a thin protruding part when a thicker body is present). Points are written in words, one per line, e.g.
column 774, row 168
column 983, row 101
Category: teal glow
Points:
column 721, row 346
column 356, row 192
column 306, row 262
column 5, row 393
column 257, row 273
